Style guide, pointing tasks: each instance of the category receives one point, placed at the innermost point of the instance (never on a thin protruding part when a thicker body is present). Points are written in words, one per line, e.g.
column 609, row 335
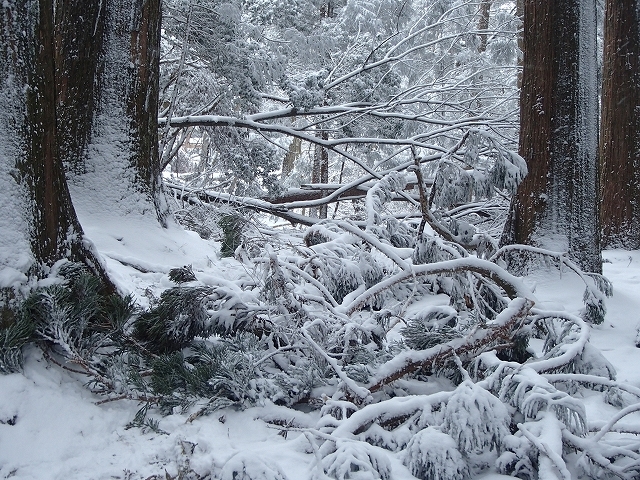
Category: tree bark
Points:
column 556, row 205
column 56, row 57
column 28, row 71
column 320, row 171
column 620, row 128
column 123, row 148
column 78, row 58
column 483, row 24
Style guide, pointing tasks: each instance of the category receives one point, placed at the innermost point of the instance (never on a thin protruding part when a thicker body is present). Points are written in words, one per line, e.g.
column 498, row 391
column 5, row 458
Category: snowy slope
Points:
column 52, row 427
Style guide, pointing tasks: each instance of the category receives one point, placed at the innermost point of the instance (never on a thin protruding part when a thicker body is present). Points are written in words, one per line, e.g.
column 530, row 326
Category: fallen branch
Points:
column 512, row 286
column 499, row 334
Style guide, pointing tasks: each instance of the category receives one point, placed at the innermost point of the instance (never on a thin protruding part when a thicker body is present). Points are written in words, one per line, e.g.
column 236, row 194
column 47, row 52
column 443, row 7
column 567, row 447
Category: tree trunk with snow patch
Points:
column 38, row 224
column 556, row 206
column 122, row 161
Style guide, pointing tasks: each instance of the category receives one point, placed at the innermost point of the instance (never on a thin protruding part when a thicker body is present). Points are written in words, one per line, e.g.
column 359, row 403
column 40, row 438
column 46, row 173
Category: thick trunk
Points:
column 30, row 130
column 556, row 205
column 143, row 94
column 54, row 74
column 78, row 55
column 122, row 160
column 620, row 129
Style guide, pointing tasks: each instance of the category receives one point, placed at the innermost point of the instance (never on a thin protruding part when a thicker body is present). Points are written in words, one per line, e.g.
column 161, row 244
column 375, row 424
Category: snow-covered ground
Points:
column 52, row 427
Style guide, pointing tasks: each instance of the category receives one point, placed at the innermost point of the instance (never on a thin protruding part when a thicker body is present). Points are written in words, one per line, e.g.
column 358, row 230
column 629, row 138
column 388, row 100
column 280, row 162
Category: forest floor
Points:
column 53, row 427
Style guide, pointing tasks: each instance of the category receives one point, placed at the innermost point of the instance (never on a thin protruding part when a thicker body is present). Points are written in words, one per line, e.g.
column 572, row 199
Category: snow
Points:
column 52, row 427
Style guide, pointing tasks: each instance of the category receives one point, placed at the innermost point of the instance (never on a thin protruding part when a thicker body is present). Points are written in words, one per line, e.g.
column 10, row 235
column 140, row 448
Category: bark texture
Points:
column 120, row 89
column 556, row 206
column 483, row 24
column 27, row 66
column 59, row 84
column 79, row 59
column 620, row 128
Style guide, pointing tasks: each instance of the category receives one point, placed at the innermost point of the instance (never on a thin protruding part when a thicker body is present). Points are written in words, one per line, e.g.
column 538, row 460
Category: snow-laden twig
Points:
column 615, row 419
column 562, row 354
column 600, row 453
column 591, row 379
column 548, row 443
column 387, row 250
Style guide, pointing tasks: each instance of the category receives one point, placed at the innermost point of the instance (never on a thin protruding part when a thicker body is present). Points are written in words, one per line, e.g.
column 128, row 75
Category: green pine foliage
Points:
column 433, row 327
column 13, row 337
column 179, row 316
column 232, row 226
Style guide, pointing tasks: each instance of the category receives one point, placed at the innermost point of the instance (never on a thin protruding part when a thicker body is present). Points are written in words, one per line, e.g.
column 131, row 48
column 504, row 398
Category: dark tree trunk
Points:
column 144, row 91
column 78, row 54
column 483, row 23
column 620, row 128
column 320, row 172
column 556, row 205
column 27, row 36
column 57, row 60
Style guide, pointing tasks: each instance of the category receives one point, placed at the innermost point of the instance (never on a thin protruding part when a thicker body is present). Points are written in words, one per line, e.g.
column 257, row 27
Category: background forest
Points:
column 372, row 228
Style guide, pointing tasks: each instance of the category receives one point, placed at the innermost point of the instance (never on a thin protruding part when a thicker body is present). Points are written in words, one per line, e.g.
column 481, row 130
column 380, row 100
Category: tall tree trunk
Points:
column 57, row 58
column 78, row 54
column 556, row 205
column 320, row 172
column 44, row 227
column 620, row 128
column 123, row 161
column 483, row 23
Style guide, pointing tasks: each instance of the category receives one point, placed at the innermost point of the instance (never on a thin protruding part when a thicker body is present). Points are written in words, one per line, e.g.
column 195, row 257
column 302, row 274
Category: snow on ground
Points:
column 52, row 427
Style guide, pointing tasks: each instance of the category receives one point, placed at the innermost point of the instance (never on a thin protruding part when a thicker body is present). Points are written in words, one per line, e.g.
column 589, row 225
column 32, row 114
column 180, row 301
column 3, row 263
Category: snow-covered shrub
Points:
column 475, row 419
column 381, row 193
column 430, row 249
column 434, row 326
column 433, row 455
column 531, row 394
column 353, row 460
column 186, row 312
column 223, row 372
column 232, row 226
column 342, row 268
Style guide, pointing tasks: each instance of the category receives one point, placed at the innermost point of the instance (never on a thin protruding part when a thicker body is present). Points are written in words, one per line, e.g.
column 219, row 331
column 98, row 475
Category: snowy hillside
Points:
column 53, row 427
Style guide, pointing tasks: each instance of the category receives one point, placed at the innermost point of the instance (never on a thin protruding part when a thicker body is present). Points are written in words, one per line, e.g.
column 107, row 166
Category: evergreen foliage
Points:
column 199, row 348
column 232, row 226
column 12, row 338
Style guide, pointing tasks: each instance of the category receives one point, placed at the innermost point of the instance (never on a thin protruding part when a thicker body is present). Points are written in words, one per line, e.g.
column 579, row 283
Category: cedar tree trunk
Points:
column 556, row 205
column 620, row 128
